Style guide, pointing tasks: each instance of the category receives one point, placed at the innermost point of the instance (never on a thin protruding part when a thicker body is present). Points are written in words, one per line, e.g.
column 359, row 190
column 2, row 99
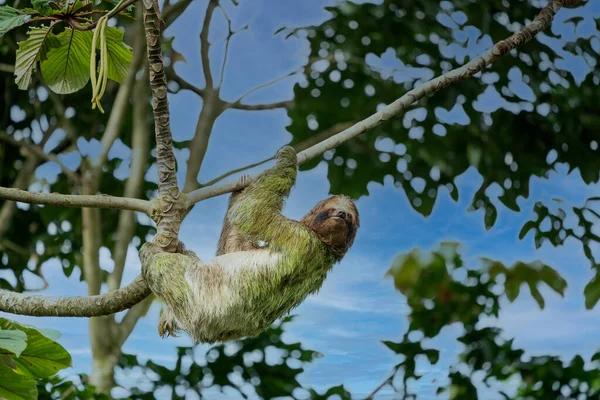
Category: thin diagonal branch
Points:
column 75, row 201
column 133, row 187
column 299, row 147
column 172, row 11
column 39, row 152
column 541, row 22
column 205, row 45
column 230, row 33
column 238, row 103
column 182, row 83
column 133, row 315
column 22, row 180
column 258, row 107
column 383, row 384
column 235, row 171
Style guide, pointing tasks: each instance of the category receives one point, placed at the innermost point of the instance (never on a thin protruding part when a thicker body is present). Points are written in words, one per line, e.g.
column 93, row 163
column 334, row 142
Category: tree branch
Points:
column 235, row 171
column 170, row 199
column 230, row 33
column 387, row 381
column 127, row 324
column 299, row 147
column 257, row 107
column 75, row 306
column 212, row 107
column 91, row 232
column 172, row 11
column 22, row 181
column 39, row 153
column 75, row 201
column 324, row 134
column 238, row 103
column 133, row 187
column 540, row 22
column 182, row 83
column 205, row 45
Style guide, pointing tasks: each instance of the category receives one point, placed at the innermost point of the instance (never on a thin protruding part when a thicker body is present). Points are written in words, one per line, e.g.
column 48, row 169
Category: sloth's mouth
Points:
column 335, row 217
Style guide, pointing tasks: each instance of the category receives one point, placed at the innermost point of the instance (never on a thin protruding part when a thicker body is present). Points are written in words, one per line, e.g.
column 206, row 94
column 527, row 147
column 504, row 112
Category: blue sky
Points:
column 357, row 307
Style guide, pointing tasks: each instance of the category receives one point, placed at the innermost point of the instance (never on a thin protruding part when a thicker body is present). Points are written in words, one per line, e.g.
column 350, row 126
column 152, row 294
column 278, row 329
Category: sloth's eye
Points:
column 322, row 216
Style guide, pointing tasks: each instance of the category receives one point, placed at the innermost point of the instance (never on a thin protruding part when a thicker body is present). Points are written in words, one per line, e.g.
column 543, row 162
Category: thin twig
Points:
column 257, row 107
column 238, row 103
column 133, row 315
column 39, row 152
column 235, row 171
column 387, row 381
column 182, row 83
column 230, row 33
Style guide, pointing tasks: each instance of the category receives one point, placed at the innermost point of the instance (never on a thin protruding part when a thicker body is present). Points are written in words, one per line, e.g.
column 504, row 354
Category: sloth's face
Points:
column 335, row 220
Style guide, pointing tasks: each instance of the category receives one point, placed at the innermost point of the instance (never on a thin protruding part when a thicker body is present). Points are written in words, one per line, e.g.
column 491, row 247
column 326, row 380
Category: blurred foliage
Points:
column 524, row 116
column 441, row 291
column 27, row 354
column 264, row 366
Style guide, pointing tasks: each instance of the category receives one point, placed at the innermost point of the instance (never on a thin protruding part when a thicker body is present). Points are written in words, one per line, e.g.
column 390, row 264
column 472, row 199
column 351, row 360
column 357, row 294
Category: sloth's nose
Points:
column 342, row 214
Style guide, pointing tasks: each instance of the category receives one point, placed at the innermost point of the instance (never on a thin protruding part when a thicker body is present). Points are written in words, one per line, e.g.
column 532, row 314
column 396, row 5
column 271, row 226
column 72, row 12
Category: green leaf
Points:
column 16, row 387
column 66, row 68
column 41, row 5
column 119, row 55
column 51, row 334
column 11, row 18
column 529, row 225
column 490, row 216
column 27, row 55
column 592, row 292
column 42, row 357
column 14, row 341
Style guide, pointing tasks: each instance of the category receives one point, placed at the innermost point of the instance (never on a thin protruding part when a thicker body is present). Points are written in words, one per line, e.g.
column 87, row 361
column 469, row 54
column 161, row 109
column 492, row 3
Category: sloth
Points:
column 248, row 286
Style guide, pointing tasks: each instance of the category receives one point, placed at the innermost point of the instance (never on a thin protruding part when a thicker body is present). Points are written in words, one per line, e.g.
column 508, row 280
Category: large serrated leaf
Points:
column 11, row 18
column 14, row 341
column 66, row 68
column 27, row 55
column 16, row 387
column 118, row 53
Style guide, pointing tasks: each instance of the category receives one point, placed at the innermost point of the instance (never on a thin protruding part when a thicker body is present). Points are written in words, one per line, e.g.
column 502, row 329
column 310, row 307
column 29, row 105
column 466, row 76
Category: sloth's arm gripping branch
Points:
column 258, row 211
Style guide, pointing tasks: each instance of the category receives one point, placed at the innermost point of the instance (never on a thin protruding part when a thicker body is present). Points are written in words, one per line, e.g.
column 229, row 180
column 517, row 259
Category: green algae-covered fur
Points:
column 247, row 287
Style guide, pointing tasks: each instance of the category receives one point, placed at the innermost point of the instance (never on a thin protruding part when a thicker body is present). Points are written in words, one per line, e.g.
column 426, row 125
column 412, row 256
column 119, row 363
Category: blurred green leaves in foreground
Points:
column 27, row 354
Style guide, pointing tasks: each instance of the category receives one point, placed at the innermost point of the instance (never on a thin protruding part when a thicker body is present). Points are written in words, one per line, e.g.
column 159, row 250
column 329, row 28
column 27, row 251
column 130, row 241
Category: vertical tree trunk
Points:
column 103, row 369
